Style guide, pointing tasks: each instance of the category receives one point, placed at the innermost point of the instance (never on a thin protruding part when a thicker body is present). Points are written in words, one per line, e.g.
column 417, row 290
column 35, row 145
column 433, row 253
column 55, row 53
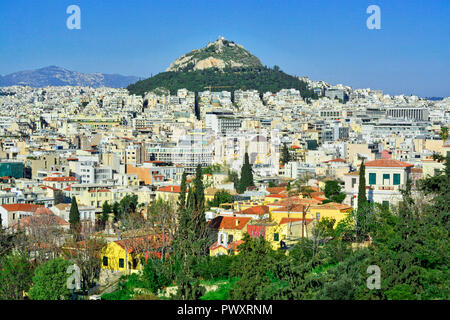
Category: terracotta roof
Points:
column 174, row 189
column 144, row 243
column 388, row 163
column 230, row 223
column 232, row 245
column 27, row 207
column 276, row 196
column 295, row 209
column 332, row 205
column 38, row 220
column 43, row 211
column 60, row 179
column 259, row 210
column 274, row 190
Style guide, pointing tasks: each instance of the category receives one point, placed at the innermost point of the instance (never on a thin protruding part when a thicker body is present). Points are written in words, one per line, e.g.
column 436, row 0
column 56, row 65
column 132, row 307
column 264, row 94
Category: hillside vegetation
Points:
column 261, row 79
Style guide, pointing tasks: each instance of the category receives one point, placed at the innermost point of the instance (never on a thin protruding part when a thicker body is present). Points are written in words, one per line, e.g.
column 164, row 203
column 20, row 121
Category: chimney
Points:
column 237, row 222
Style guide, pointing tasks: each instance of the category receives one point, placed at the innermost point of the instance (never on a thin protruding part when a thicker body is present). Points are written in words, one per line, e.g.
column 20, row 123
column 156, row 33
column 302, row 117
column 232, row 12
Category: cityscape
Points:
column 220, row 178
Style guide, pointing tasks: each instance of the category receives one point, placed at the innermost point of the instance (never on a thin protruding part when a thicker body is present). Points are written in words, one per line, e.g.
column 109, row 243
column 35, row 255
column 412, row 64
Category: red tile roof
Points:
column 388, row 163
column 274, row 190
column 276, row 196
column 26, row 207
column 259, row 210
column 332, row 205
column 230, row 223
column 60, row 179
column 175, row 189
column 232, row 245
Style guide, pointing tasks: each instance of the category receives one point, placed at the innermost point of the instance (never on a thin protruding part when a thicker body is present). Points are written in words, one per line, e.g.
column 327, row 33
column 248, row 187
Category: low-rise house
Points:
column 384, row 179
column 12, row 213
column 168, row 193
column 229, row 230
column 331, row 210
column 130, row 254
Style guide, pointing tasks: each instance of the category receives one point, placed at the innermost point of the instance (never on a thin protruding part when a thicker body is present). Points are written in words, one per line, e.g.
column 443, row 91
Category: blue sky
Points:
column 325, row 40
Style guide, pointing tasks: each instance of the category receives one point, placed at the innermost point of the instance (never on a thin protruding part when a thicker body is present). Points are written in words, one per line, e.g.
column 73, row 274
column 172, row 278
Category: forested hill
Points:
column 262, row 79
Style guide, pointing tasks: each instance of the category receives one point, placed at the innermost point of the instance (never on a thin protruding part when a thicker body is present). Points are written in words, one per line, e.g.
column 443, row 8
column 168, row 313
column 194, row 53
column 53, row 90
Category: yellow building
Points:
column 231, row 230
column 129, row 254
column 168, row 193
column 331, row 210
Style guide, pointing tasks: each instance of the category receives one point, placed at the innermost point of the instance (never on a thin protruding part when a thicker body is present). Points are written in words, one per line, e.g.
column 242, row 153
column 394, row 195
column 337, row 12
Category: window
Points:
column 386, row 176
column 372, row 178
column 135, row 263
column 121, row 263
column 353, row 182
column 230, row 238
column 276, row 237
column 386, row 204
column 105, row 261
column 318, row 215
column 396, row 179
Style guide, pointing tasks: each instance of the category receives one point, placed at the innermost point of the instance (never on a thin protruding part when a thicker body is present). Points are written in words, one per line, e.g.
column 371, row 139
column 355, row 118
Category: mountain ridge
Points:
column 58, row 76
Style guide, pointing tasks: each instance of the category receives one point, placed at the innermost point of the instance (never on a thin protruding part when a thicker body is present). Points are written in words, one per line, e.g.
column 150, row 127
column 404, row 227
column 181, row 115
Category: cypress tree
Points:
column 246, row 175
column 362, row 210
column 199, row 191
column 362, row 198
column 74, row 215
column 182, row 197
column 285, row 155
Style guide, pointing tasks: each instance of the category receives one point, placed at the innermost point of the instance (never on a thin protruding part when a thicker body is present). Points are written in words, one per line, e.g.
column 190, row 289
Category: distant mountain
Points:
column 56, row 76
column 225, row 65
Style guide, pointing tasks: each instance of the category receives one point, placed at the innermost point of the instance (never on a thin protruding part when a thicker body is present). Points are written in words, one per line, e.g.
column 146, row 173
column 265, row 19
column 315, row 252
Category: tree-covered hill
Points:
column 262, row 79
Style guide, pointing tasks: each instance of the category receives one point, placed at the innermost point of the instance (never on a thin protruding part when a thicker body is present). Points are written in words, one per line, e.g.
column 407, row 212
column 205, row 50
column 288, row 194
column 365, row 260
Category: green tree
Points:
column 246, row 175
column 116, row 211
column 220, row 197
column 191, row 241
column 50, row 281
column 333, row 191
column 363, row 208
column 285, row 155
column 15, row 276
column 183, row 188
column 106, row 210
column 74, row 216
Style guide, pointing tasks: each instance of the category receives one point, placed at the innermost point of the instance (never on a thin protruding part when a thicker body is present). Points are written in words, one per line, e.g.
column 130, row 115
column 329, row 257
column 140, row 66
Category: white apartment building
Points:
column 384, row 179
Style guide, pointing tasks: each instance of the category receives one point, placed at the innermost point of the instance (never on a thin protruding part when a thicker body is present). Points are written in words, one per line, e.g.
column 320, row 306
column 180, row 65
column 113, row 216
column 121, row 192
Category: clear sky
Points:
column 323, row 39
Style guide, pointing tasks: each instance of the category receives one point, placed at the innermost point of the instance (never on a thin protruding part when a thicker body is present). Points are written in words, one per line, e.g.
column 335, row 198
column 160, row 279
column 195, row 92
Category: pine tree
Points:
column 246, row 175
